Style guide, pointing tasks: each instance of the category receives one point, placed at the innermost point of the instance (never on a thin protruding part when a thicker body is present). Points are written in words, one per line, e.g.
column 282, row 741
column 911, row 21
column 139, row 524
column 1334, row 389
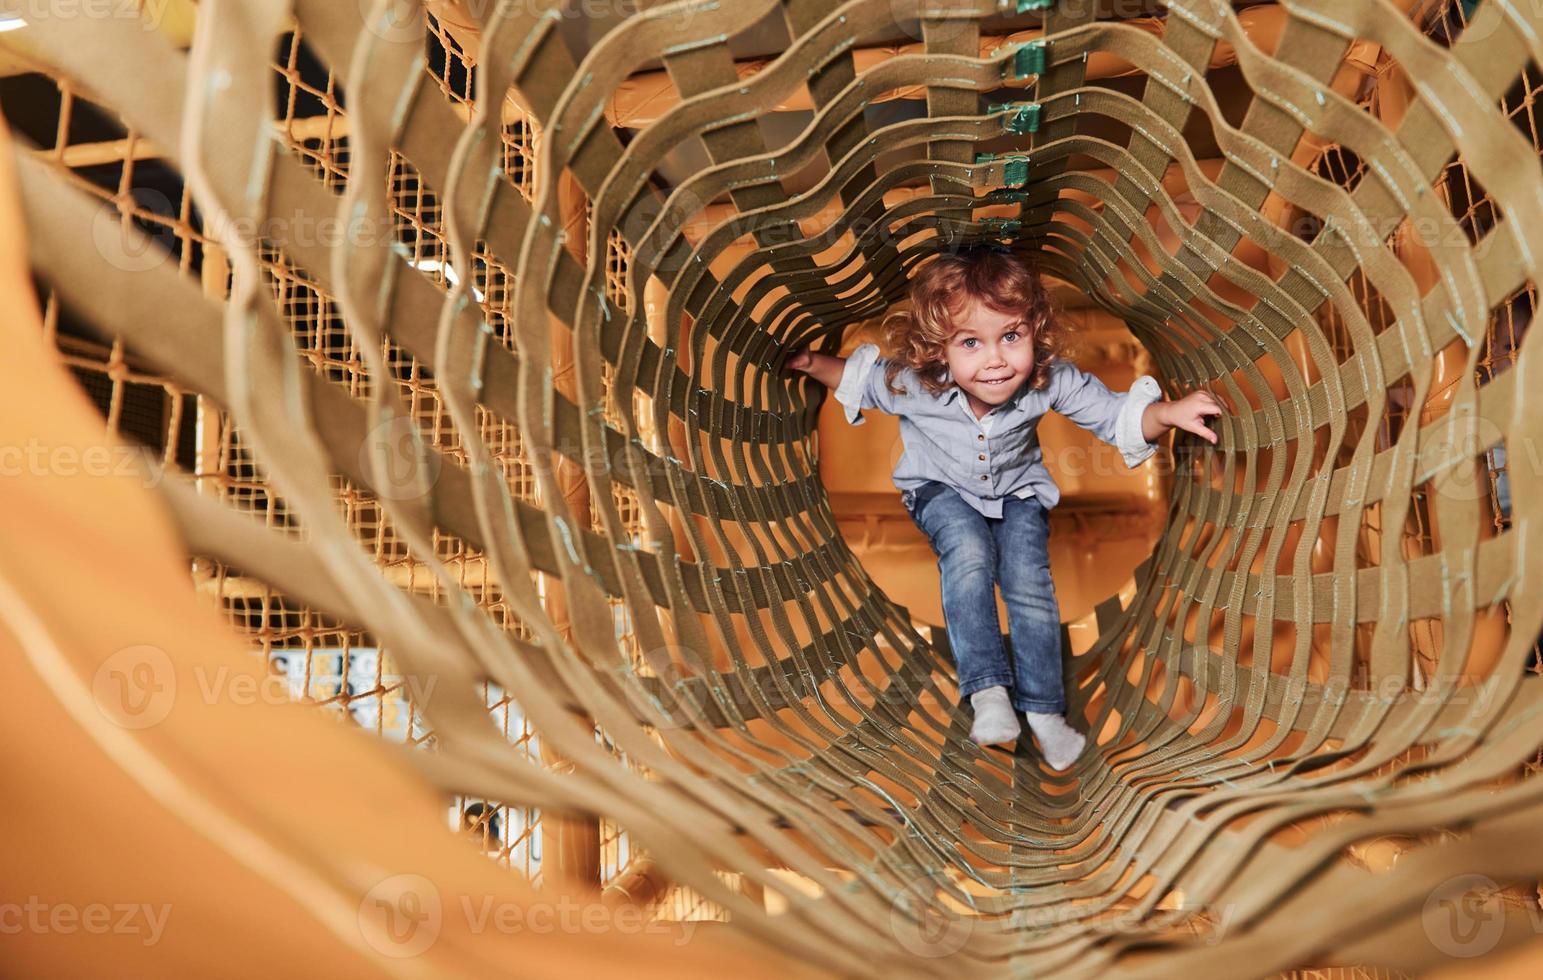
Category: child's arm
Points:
column 1132, row 421
column 823, row 368
column 858, row 381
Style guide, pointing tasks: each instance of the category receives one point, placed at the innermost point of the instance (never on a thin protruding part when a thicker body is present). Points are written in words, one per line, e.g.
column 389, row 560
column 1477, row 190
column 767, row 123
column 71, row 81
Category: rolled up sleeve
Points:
column 857, row 381
column 1128, row 438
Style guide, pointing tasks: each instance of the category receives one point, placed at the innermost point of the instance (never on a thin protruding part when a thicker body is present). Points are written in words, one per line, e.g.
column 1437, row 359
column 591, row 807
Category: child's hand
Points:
column 824, row 368
column 1189, row 413
column 800, row 360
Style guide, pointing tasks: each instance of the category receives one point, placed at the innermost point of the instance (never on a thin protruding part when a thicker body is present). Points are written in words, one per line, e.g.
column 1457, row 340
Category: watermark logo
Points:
column 401, row 465
column 150, row 239
column 136, row 687
column 675, row 698
column 911, row 17
column 394, row 21
column 1465, row 437
column 1464, row 916
column 404, row 21
column 401, row 916
column 124, row 246
column 922, row 927
column 404, row 915
column 666, row 216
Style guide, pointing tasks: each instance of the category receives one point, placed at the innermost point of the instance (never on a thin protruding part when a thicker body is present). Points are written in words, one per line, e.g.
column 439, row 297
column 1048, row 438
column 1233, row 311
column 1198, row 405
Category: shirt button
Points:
column 982, row 456
column 980, row 437
column 983, row 477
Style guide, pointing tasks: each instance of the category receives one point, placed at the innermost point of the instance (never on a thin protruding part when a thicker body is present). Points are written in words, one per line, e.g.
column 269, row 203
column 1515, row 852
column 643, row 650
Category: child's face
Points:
column 989, row 355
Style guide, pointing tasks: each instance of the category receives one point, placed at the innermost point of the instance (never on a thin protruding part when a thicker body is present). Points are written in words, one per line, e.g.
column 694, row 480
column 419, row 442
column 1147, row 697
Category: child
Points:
column 977, row 363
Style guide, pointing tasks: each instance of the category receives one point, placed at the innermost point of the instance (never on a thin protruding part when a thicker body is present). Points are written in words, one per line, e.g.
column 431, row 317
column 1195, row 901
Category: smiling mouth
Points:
column 997, row 381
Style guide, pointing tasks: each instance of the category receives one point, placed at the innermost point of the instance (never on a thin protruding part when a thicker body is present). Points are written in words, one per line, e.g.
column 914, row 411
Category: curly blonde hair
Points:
column 942, row 292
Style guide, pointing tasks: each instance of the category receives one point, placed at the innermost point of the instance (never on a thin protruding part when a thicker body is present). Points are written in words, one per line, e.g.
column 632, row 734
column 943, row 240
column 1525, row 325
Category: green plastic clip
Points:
column 1015, row 169
column 1024, row 6
column 1029, row 59
column 1024, row 118
column 1016, row 173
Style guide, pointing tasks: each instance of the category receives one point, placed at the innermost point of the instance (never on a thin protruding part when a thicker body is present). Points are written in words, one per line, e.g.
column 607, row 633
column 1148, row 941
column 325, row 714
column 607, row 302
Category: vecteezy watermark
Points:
column 39, row 917
column 675, row 698
column 1474, row 23
column 665, row 215
column 1462, row 465
column 1462, row 471
column 399, row 460
column 931, row 21
column 948, row 19
column 149, row 242
column 37, row 458
column 1464, row 916
column 404, row 21
column 1209, row 923
column 1103, row 461
column 1302, row 694
column 137, row 687
column 401, row 916
column 150, row 13
column 1433, row 231
column 922, row 925
column 404, row 915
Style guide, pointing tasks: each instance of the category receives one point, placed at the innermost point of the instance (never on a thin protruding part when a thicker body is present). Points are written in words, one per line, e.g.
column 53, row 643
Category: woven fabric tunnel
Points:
column 502, row 385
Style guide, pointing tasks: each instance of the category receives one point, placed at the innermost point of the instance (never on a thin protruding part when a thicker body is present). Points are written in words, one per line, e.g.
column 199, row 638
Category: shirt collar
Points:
column 953, row 391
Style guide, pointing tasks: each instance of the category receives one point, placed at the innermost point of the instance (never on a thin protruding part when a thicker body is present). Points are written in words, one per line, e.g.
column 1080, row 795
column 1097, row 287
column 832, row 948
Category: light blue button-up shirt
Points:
column 996, row 456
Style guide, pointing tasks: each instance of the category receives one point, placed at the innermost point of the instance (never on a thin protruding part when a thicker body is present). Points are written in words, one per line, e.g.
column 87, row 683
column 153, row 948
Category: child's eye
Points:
column 968, row 342
column 1011, row 336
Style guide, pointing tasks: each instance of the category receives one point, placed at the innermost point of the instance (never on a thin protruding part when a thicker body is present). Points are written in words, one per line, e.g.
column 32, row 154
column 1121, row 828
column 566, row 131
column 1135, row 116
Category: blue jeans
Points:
column 975, row 555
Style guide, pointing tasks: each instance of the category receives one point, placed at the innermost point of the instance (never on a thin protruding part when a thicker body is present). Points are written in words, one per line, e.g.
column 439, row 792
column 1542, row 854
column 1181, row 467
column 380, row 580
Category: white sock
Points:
column 1061, row 743
column 995, row 719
